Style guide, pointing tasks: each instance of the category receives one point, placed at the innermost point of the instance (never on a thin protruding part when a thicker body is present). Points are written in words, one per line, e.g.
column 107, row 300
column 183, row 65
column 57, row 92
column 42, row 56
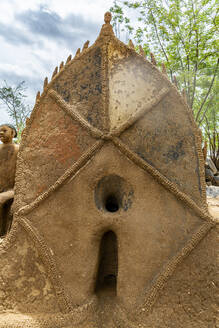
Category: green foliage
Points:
column 210, row 124
column 13, row 99
column 183, row 34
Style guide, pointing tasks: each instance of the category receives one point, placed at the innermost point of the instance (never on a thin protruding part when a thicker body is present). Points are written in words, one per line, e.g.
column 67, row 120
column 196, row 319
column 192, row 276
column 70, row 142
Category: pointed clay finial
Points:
column 205, row 150
column 175, row 81
column 141, row 51
column 131, row 44
column 86, row 45
column 68, row 59
column 107, row 17
column 153, row 60
column 184, row 95
column 78, row 52
column 45, row 83
column 38, row 96
column 61, row 65
column 164, row 70
column 55, row 72
column 107, row 29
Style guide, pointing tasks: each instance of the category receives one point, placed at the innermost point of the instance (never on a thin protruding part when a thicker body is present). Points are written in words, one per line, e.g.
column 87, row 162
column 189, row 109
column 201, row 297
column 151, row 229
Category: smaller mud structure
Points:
column 111, row 227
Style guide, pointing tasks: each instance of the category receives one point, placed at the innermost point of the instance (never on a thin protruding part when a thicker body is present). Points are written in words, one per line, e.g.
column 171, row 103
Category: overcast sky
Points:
column 36, row 35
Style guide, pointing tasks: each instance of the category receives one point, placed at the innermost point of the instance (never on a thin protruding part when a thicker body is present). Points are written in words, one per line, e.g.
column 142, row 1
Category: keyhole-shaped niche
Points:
column 107, row 272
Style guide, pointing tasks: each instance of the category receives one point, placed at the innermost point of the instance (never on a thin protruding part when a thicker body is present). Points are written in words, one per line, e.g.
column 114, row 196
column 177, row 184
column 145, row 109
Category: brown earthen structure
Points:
column 8, row 159
column 111, row 227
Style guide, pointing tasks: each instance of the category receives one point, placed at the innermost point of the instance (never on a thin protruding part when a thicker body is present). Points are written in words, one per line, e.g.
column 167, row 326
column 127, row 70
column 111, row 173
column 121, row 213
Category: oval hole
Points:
column 113, row 193
column 112, row 204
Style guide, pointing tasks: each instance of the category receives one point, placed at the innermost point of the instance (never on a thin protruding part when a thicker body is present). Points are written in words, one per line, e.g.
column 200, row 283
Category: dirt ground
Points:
column 213, row 206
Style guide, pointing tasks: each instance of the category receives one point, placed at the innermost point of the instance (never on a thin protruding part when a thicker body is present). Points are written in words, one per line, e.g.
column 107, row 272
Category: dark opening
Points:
column 6, row 218
column 111, row 204
column 108, row 265
column 112, row 193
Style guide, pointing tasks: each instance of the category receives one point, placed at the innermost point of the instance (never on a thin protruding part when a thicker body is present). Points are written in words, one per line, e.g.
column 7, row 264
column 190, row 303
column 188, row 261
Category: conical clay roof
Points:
column 112, row 91
column 109, row 201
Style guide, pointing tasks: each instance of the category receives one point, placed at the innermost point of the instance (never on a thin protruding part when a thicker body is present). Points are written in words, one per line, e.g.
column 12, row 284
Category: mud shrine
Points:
column 110, row 228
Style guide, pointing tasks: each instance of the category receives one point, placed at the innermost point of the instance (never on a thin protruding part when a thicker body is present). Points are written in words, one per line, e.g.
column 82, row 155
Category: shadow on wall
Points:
column 108, row 265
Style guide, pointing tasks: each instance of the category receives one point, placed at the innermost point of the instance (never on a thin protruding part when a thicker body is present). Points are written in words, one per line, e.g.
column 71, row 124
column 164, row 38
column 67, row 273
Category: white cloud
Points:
column 4, row 117
column 36, row 35
column 91, row 9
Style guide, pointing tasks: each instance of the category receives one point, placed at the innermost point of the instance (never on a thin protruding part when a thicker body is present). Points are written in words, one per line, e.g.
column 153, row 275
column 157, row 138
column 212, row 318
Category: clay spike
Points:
column 175, row 81
column 131, row 44
column 61, row 65
column 107, row 29
column 107, row 17
column 86, row 45
column 55, row 72
column 68, row 59
column 45, row 83
column 153, row 60
column 205, row 149
column 164, row 70
column 141, row 51
column 78, row 52
column 38, row 96
column 184, row 95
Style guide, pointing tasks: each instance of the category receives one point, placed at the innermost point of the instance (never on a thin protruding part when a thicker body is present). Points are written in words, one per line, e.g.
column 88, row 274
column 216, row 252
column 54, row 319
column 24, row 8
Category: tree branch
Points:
column 208, row 92
column 205, row 111
column 158, row 37
column 196, row 59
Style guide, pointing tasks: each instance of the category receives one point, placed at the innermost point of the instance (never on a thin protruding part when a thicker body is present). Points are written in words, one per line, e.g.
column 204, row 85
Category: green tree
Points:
column 13, row 99
column 210, row 125
column 183, row 35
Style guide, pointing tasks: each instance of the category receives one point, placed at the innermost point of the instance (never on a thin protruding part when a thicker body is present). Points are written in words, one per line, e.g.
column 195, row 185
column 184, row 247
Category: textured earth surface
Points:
column 188, row 298
column 213, row 201
column 110, row 115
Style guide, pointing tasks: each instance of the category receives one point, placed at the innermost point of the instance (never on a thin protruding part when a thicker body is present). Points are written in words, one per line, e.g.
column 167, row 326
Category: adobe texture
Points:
column 111, row 226
column 8, row 158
